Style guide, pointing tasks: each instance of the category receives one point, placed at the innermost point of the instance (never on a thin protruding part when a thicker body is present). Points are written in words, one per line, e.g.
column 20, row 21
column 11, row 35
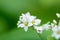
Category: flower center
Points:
column 58, row 32
column 33, row 21
column 26, row 23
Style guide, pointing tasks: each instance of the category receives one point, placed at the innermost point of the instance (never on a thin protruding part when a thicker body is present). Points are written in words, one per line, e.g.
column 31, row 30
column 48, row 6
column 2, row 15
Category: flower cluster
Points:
column 56, row 28
column 26, row 20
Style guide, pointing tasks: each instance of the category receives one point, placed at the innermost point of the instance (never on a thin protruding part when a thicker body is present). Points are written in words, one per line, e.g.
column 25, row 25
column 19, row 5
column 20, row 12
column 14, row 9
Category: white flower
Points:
column 58, row 15
column 26, row 20
column 46, row 26
column 34, row 21
column 43, row 27
column 39, row 29
column 56, row 32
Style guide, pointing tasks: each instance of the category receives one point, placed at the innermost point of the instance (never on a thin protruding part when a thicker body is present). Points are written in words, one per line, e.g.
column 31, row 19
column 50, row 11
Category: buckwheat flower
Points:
column 58, row 15
column 34, row 21
column 56, row 32
column 24, row 21
column 46, row 26
column 53, row 24
column 39, row 29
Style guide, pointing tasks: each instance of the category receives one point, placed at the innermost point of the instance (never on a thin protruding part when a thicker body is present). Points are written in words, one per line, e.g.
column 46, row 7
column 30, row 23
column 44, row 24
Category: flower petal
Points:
column 26, row 29
column 18, row 22
column 30, row 24
column 27, row 14
column 21, row 25
column 37, row 21
column 46, row 26
column 32, row 18
column 58, row 15
column 35, row 27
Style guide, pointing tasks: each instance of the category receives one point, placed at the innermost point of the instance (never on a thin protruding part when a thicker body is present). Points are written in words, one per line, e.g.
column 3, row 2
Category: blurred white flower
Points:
column 43, row 27
column 46, row 26
column 26, row 20
column 56, row 32
column 58, row 15
column 54, row 21
column 39, row 29
column 53, row 24
column 34, row 21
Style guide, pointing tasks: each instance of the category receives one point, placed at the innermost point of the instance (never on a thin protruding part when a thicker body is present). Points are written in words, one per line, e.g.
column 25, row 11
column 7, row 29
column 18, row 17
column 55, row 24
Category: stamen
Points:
column 26, row 23
column 33, row 22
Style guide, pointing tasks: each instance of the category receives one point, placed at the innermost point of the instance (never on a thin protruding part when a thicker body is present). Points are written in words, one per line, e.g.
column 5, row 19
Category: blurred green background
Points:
column 10, row 10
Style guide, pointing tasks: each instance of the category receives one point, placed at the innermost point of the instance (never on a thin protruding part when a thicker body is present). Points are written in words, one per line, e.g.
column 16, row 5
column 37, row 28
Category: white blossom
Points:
column 58, row 15
column 56, row 31
column 26, row 20
column 46, row 26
